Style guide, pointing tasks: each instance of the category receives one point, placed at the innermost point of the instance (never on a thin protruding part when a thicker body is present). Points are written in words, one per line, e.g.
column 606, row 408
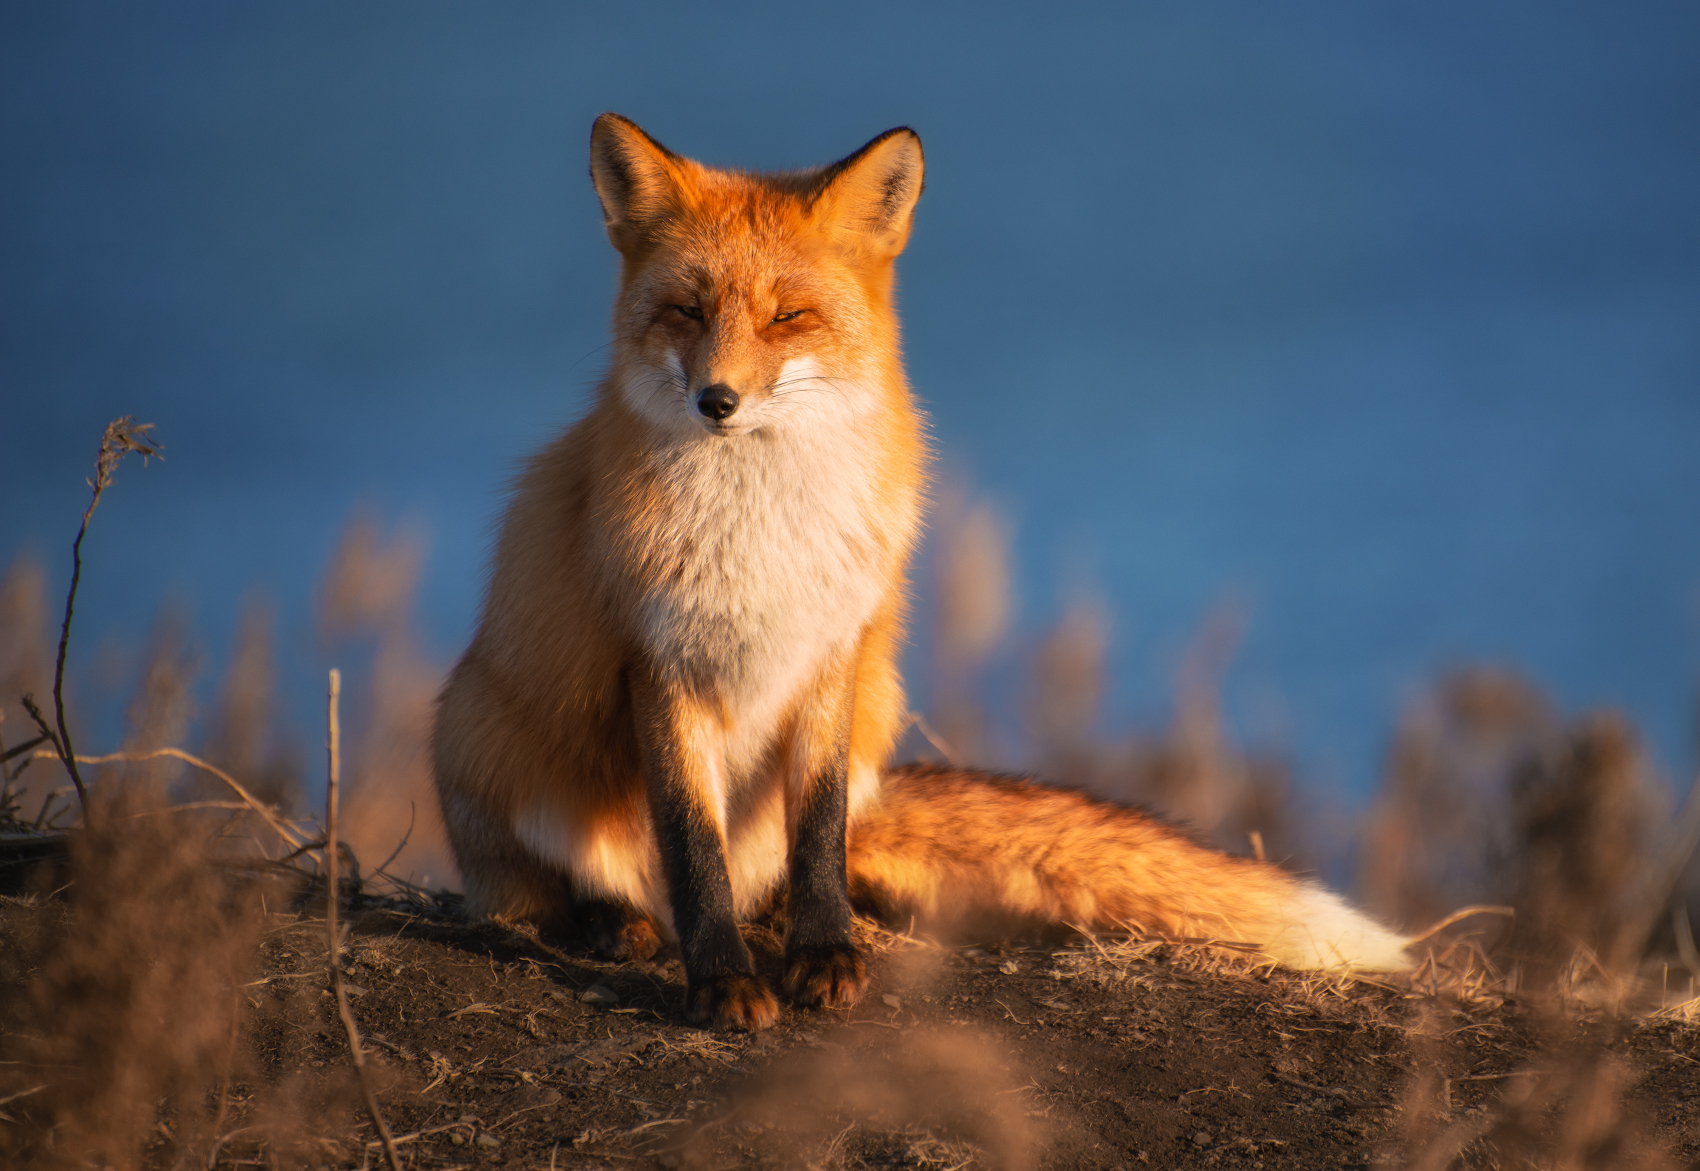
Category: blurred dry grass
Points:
column 1191, row 770
column 390, row 806
column 1491, row 796
column 136, row 992
column 25, row 669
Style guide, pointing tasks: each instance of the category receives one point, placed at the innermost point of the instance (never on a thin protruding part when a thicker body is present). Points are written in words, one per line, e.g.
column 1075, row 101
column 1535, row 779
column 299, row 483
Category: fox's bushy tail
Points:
column 977, row 853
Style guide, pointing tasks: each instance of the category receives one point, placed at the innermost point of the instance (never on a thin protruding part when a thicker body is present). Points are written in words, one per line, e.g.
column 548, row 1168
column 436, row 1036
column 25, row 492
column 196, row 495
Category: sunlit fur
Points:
column 750, row 573
column 745, row 569
column 975, row 855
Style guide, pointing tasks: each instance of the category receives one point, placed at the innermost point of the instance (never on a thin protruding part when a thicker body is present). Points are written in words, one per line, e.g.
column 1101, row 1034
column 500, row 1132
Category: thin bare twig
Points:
column 20, row 749
column 332, row 897
column 122, row 436
column 46, row 804
column 1462, row 913
column 47, row 733
column 412, row 812
column 933, row 737
column 260, row 807
column 22, row 1094
column 224, row 1085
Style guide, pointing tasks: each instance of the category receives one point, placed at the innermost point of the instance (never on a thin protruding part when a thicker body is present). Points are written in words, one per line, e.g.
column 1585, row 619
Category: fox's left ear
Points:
column 635, row 180
column 873, row 192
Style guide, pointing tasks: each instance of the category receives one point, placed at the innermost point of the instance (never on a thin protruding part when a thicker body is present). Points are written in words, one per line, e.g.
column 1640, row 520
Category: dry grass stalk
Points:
column 267, row 814
column 333, row 943
column 1662, row 878
column 240, row 737
column 367, row 591
column 23, row 671
column 974, row 606
column 1442, row 833
column 1569, row 1115
column 122, row 436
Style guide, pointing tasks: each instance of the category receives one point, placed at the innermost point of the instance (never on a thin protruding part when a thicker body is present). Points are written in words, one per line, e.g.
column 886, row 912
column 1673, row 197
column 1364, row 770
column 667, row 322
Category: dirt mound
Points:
column 493, row 1048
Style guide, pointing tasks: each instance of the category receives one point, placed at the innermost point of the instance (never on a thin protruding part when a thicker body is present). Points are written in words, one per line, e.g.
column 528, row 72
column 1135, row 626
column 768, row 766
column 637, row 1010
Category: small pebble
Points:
column 489, row 1141
column 599, row 994
column 457, row 1139
column 892, row 1000
column 1201, row 1139
column 1009, row 967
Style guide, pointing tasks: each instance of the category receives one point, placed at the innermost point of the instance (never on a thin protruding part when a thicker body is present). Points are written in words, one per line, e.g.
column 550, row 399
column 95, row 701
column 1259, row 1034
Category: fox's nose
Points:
column 717, row 401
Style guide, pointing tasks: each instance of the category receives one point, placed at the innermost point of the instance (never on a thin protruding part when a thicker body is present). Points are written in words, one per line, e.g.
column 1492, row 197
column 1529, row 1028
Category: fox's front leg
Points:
column 822, row 965
column 679, row 742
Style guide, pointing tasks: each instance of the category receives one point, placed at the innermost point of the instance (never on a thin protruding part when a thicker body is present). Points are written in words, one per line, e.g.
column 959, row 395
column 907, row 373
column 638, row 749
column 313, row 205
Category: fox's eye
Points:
column 691, row 311
column 781, row 318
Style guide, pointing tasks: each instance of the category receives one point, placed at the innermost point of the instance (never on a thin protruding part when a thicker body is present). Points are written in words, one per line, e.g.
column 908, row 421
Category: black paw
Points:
column 618, row 931
column 832, row 976
column 737, row 1001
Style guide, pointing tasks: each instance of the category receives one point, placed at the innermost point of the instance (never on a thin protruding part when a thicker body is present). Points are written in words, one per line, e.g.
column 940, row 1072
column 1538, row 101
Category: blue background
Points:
column 1378, row 321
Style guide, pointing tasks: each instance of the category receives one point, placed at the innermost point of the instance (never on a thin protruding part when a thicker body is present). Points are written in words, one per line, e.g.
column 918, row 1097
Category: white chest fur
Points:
column 776, row 555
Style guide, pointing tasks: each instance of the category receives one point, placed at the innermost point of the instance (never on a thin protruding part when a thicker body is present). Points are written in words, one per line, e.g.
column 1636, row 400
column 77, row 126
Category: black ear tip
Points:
column 618, row 133
column 608, row 124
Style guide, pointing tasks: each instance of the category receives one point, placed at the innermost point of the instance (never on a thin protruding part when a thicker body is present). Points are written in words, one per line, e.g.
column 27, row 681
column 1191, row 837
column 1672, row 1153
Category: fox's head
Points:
column 751, row 301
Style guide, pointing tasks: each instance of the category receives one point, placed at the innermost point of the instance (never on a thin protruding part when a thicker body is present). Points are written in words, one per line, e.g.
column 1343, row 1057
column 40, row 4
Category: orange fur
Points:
column 980, row 855
column 704, row 609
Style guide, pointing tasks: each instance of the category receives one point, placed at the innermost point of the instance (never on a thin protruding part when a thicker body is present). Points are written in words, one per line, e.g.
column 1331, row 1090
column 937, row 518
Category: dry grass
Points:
column 123, row 1044
column 367, row 596
column 932, row 1102
column 128, row 1023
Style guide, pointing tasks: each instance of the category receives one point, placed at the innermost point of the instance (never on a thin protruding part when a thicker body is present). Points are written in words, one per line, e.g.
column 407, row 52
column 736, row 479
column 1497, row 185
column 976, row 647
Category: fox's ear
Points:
column 634, row 178
column 873, row 192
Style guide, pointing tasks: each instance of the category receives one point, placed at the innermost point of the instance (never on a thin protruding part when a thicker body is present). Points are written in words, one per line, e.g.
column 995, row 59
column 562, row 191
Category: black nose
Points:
column 717, row 401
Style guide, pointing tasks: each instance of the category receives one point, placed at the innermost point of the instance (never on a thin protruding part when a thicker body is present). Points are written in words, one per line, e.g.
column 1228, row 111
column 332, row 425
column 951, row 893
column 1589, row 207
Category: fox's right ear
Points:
column 871, row 195
column 635, row 180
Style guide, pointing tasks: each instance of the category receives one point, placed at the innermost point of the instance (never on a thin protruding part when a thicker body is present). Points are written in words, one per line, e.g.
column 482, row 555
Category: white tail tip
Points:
column 1322, row 931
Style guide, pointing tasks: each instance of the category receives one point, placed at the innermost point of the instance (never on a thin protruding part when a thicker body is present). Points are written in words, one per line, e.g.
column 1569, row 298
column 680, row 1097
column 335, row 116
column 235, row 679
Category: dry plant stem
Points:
column 47, row 733
column 412, row 812
column 332, row 897
column 224, row 1083
column 1662, row 878
column 933, row 738
column 1463, row 913
column 20, row 749
column 123, row 435
column 253, row 802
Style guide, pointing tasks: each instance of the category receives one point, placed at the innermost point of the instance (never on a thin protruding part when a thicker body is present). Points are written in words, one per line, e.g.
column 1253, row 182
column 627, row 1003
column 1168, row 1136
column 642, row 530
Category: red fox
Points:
column 683, row 690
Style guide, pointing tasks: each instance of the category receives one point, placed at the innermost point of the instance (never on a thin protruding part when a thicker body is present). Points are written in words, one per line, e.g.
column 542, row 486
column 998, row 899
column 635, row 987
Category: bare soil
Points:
column 493, row 1048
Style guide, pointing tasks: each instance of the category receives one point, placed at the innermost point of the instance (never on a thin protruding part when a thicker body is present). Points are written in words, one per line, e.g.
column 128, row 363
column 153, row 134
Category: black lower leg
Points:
column 722, row 988
column 699, row 890
column 822, row 965
column 818, row 901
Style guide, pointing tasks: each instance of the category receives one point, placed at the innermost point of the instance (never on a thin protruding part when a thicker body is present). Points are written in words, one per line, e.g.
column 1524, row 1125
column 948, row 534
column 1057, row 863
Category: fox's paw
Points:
column 832, row 976
column 735, row 1001
column 618, row 931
